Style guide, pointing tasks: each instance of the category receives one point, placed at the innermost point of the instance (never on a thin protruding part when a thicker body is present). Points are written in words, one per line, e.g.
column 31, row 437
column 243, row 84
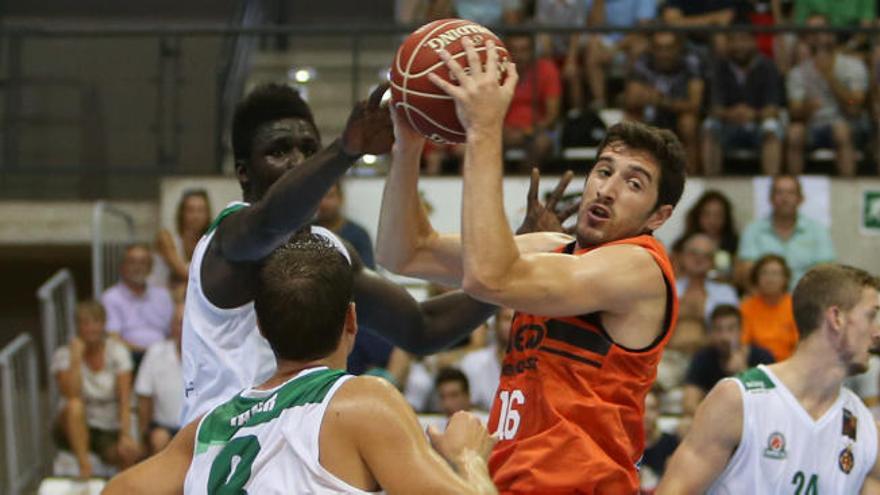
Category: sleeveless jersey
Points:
column 784, row 450
column 267, row 441
column 569, row 407
column 222, row 349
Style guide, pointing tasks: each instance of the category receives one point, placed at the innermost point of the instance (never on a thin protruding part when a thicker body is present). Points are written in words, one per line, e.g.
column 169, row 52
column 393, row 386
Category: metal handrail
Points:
column 98, row 261
column 17, row 481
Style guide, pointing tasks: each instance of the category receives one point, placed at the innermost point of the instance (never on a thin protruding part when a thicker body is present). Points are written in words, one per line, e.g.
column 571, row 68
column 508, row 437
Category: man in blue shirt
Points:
column 803, row 242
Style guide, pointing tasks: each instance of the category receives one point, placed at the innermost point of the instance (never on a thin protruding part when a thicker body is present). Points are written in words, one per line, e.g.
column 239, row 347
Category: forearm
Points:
column 123, row 393
column 407, row 242
column 287, row 205
column 849, row 102
column 475, row 472
column 145, row 414
column 488, row 245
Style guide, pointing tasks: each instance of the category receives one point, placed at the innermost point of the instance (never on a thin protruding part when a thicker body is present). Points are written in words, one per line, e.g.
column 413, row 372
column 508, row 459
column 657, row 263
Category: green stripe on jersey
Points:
column 755, row 379
column 229, row 210
column 223, row 422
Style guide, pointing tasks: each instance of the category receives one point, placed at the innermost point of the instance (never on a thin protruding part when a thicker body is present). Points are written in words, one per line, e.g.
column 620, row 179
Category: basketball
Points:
column 427, row 108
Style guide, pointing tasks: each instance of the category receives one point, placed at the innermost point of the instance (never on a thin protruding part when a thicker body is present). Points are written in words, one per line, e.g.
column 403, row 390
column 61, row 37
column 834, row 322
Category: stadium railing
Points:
column 57, row 298
column 112, row 231
column 23, row 424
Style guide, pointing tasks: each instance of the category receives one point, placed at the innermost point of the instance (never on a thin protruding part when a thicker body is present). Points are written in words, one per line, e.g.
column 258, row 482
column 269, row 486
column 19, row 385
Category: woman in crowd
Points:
column 767, row 317
column 175, row 249
column 713, row 215
column 93, row 374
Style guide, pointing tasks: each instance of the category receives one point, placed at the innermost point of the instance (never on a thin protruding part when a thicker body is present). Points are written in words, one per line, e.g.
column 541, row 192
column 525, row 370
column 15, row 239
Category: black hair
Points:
column 302, row 298
column 450, row 374
column 266, row 103
column 663, row 146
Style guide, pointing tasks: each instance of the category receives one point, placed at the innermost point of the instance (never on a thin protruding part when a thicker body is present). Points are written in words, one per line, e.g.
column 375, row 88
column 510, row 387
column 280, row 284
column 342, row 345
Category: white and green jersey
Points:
column 783, row 450
column 267, row 441
column 222, row 351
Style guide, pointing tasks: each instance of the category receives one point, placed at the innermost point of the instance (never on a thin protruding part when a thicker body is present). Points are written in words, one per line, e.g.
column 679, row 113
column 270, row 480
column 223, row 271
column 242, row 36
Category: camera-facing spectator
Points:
column 767, row 315
column 453, row 391
column 698, row 294
column 704, row 13
column 534, row 109
column 659, row 445
column 492, row 13
column 138, row 312
column 665, row 89
column 712, row 215
column 175, row 248
column 159, row 388
column 826, row 97
column 93, row 373
column 605, row 50
column 746, row 97
column 803, row 242
column 724, row 355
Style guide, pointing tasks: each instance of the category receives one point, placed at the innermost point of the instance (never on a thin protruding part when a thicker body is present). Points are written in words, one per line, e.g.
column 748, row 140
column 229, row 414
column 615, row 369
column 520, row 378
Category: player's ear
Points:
column 351, row 325
column 659, row 217
column 241, row 173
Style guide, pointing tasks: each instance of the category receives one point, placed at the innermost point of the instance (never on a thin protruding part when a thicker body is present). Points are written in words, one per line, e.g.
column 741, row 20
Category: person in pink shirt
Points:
column 137, row 312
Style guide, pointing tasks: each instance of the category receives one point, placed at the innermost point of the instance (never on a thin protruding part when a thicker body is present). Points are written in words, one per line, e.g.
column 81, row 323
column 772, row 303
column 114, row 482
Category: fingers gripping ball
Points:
column 428, row 109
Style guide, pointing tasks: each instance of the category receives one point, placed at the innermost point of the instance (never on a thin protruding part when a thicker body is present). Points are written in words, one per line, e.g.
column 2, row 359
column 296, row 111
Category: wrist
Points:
column 342, row 152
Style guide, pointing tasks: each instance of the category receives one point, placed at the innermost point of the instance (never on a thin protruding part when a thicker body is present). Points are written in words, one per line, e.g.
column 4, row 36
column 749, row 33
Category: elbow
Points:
column 390, row 260
column 481, row 286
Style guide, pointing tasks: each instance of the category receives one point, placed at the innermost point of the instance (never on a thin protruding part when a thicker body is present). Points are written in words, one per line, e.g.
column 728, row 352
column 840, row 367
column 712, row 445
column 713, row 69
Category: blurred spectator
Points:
column 659, row 445
column 746, row 98
column 175, row 249
column 698, row 295
column 159, row 388
column 826, row 96
column 767, row 317
column 531, row 118
column 483, row 367
column 330, row 217
column 565, row 49
column 850, row 13
column 485, row 12
column 453, row 391
column 802, row 241
column 725, row 355
column 706, row 13
column 712, row 215
column 410, row 11
column 665, row 89
column 604, row 50
column 94, row 378
column 139, row 313
column 689, row 336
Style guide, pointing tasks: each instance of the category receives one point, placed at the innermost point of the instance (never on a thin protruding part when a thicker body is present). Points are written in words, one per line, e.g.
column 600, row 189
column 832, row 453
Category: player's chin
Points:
column 859, row 366
column 590, row 236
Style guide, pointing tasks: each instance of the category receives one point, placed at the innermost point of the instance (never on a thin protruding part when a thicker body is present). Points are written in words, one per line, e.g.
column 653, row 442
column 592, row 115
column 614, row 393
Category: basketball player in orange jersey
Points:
column 594, row 312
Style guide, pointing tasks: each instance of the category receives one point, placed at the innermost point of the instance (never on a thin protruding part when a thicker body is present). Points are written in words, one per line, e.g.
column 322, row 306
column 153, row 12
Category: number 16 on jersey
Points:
column 509, row 418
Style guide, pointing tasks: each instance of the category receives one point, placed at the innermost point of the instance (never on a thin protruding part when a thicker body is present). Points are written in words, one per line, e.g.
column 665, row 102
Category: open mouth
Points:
column 600, row 212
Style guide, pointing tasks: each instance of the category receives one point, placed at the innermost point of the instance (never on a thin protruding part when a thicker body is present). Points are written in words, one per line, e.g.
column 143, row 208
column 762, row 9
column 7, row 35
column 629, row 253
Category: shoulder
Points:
column 365, row 401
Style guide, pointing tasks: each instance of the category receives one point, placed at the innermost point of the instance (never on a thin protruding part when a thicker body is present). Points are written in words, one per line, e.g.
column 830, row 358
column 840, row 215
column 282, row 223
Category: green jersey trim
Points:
column 229, row 210
column 755, row 380
column 221, row 424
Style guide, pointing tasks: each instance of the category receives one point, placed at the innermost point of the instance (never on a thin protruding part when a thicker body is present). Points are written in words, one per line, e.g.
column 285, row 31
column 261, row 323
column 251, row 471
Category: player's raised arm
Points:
column 709, row 444
column 252, row 233
column 388, row 437
column 161, row 474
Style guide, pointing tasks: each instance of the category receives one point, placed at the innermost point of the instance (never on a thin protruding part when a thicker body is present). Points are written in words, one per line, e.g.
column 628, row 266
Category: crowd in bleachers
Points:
column 740, row 101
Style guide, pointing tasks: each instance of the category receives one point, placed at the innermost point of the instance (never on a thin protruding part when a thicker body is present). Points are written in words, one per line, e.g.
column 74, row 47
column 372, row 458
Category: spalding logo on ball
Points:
column 428, row 109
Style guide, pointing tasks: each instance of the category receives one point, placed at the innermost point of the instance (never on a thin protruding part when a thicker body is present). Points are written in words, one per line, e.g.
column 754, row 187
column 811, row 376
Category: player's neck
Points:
column 289, row 369
column 813, row 375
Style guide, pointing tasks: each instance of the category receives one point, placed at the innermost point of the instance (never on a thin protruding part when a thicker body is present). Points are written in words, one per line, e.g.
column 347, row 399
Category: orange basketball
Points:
column 428, row 109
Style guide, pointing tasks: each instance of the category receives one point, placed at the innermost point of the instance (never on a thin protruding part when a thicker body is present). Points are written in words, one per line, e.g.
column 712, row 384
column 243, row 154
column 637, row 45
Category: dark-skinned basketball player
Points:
column 284, row 172
column 593, row 312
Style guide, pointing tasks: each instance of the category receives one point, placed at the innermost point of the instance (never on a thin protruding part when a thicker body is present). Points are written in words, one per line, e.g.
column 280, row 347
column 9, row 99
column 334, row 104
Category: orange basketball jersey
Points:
column 569, row 407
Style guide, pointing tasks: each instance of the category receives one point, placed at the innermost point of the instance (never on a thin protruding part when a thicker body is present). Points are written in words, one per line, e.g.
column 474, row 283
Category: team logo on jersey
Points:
column 850, row 424
column 775, row 446
column 846, row 460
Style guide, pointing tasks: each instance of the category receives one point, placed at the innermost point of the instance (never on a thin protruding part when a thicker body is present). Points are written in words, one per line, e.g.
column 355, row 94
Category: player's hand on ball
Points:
column 480, row 100
column 465, row 432
column 369, row 129
column 404, row 135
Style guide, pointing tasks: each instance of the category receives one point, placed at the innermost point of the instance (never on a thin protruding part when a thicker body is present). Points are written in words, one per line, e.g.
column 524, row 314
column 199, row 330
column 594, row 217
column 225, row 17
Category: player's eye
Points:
column 635, row 184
